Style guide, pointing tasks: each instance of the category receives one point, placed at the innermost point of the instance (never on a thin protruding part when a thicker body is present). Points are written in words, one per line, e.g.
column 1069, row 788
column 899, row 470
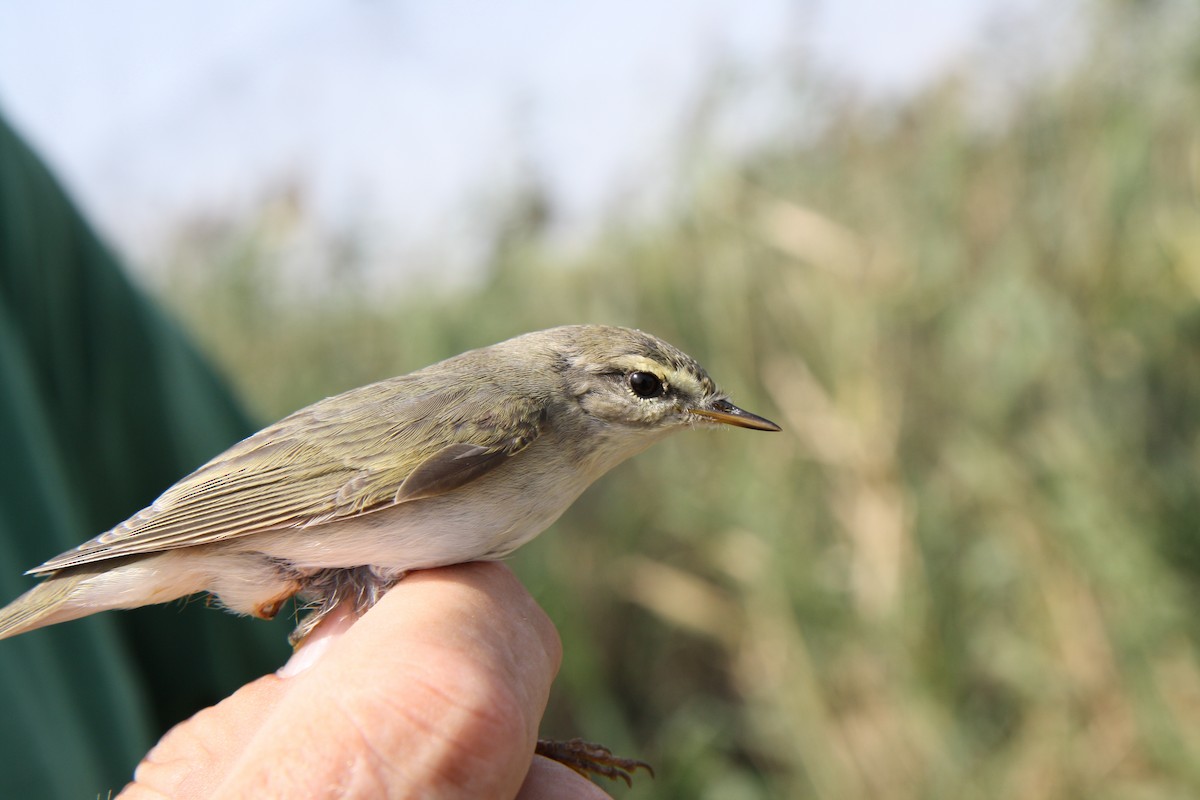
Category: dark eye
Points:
column 646, row 384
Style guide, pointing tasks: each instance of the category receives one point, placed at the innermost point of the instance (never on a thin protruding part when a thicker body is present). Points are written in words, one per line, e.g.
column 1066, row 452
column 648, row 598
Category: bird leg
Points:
column 325, row 590
column 589, row 759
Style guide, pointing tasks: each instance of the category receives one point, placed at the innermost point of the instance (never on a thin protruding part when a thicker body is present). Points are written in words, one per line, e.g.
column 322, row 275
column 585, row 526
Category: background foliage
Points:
column 970, row 566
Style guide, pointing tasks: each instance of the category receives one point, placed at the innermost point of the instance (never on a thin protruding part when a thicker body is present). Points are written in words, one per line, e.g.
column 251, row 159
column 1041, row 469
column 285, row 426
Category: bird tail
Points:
column 126, row 582
column 45, row 604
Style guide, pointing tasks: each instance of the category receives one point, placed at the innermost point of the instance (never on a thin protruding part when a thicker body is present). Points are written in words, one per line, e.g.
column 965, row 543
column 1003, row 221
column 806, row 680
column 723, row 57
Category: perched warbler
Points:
column 464, row 460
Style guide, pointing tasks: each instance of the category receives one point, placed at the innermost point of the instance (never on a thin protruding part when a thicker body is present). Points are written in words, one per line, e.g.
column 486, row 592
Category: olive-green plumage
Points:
column 464, row 460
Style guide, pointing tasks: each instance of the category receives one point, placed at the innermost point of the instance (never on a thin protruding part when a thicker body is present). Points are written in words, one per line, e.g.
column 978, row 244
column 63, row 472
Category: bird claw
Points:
column 590, row 759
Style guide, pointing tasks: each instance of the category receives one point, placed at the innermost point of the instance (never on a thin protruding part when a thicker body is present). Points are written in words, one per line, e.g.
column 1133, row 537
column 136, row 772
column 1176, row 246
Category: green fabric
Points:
column 103, row 404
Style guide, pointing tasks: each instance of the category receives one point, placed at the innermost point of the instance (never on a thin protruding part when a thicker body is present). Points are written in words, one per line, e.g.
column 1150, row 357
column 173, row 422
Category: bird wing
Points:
column 391, row 442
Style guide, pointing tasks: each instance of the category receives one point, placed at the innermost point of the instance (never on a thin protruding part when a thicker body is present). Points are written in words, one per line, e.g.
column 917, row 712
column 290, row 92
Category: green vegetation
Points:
column 970, row 567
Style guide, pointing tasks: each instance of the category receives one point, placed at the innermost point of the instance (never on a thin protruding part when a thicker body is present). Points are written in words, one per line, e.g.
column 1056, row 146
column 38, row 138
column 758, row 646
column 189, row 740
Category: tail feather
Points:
column 45, row 604
column 246, row 585
column 89, row 588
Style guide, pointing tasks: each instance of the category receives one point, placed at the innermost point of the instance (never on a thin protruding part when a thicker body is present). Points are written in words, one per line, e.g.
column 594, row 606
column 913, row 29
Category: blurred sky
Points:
column 405, row 120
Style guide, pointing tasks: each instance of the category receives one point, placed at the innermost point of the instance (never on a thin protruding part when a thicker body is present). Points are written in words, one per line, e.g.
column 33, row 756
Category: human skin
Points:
column 436, row 692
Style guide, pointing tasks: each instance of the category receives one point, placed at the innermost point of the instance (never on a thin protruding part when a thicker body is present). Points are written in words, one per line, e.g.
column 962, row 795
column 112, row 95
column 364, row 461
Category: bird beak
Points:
column 726, row 412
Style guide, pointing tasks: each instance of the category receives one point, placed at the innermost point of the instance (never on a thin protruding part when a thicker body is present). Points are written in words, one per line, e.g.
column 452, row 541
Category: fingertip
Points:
column 318, row 642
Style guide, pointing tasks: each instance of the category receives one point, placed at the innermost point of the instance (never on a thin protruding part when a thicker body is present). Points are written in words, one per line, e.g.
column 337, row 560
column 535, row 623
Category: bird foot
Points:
column 359, row 588
column 589, row 759
column 270, row 608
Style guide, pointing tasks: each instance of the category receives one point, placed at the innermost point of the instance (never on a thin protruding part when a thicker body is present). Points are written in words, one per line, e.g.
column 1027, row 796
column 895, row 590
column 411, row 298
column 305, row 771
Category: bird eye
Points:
column 646, row 384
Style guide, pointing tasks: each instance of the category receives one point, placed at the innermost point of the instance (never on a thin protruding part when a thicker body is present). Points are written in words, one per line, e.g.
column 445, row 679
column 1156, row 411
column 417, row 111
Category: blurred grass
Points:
column 970, row 566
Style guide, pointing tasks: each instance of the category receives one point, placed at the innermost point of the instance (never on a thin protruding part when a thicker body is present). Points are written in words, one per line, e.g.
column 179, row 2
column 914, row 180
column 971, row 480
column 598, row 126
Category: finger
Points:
column 190, row 760
column 438, row 688
column 316, row 643
column 215, row 736
column 550, row 780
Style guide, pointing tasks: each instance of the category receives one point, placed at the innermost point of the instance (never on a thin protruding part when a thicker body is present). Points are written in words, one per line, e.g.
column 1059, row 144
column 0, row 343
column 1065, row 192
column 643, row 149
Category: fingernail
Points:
column 317, row 643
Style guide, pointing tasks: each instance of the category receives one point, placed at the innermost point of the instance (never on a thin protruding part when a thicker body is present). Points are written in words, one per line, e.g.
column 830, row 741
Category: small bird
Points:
column 465, row 460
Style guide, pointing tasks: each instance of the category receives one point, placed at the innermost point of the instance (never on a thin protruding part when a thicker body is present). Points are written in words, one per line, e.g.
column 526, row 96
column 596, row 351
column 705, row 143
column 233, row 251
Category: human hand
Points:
column 435, row 692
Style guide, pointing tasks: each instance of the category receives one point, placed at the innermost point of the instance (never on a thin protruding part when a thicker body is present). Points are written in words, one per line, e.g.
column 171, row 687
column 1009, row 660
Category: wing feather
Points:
column 344, row 456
